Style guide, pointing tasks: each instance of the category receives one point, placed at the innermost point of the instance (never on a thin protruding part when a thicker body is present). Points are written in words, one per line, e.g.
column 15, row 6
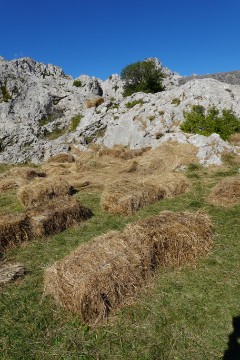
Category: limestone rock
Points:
column 10, row 272
column 44, row 112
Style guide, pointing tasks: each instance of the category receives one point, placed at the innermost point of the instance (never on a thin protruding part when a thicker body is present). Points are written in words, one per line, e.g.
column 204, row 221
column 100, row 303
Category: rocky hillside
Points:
column 231, row 77
column 44, row 112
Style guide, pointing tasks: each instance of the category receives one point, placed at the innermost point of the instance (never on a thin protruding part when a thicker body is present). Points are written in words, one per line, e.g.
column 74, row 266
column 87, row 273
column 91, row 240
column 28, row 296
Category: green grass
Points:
column 133, row 103
column 187, row 313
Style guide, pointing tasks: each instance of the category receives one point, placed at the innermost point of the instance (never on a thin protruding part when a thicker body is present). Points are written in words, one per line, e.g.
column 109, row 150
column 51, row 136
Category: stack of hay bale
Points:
column 49, row 209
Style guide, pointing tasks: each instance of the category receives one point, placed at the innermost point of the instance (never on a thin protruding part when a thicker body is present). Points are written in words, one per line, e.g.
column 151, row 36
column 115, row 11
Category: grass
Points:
column 75, row 121
column 184, row 314
column 133, row 103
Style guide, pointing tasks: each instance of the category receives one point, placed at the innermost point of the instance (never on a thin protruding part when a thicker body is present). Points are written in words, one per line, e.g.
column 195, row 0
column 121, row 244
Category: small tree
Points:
column 142, row 76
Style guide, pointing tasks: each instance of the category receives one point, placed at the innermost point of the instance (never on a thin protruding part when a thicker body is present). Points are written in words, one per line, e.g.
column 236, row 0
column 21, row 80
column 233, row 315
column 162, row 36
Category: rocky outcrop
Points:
column 44, row 112
column 231, row 77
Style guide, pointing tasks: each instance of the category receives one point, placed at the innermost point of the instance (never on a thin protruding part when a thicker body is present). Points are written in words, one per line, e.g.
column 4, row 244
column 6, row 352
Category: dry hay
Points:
column 14, row 229
column 42, row 191
column 61, row 158
column 235, row 139
column 105, row 273
column 94, row 102
column 125, row 197
column 168, row 156
column 227, row 192
column 57, row 216
column 121, row 152
column 8, row 185
column 26, row 173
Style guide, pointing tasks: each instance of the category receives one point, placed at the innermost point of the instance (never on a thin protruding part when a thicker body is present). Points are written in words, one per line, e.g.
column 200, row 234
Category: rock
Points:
column 38, row 104
column 10, row 272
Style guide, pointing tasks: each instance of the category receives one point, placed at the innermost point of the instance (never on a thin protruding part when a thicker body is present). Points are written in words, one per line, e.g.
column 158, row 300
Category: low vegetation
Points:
column 133, row 103
column 207, row 122
column 75, row 121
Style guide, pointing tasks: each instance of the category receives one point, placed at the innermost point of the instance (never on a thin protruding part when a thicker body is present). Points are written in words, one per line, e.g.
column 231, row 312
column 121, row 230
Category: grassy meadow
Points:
column 183, row 314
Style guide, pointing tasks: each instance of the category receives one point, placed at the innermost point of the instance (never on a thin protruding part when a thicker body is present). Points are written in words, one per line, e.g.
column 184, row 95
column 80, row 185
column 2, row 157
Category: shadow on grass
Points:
column 233, row 351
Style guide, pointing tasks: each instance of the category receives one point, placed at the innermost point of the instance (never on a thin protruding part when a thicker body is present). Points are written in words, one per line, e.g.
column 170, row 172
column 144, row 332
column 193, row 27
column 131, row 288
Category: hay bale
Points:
column 94, row 102
column 126, row 197
column 61, row 158
column 227, row 192
column 39, row 192
column 57, row 216
column 26, row 173
column 8, row 185
column 14, row 229
column 101, row 275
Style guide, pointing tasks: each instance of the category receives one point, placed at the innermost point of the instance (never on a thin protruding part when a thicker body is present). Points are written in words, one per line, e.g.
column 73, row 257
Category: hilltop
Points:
column 44, row 112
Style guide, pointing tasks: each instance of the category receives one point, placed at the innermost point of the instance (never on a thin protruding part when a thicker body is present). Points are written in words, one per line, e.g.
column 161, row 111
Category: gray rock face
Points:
column 10, row 272
column 44, row 112
column 231, row 77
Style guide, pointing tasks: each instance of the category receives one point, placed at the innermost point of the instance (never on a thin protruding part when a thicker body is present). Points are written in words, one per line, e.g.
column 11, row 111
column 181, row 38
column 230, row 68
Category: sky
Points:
column 99, row 38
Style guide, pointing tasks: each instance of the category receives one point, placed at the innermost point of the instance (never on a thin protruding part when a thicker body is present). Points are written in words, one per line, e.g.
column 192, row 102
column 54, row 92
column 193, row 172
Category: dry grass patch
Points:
column 103, row 274
column 235, row 139
column 121, row 152
column 57, row 216
column 14, row 229
column 94, row 102
column 227, row 192
column 26, row 173
column 39, row 192
column 167, row 157
column 8, row 185
column 61, row 158
column 125, row 197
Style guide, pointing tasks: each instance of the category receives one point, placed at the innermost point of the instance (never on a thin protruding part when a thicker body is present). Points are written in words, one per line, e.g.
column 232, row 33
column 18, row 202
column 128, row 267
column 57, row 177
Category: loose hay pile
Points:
column 126, row 197
column 100, row 275
column 39, row 192
column 14, row 229
column 61, row 158
column 227, row 192
column 57, row 216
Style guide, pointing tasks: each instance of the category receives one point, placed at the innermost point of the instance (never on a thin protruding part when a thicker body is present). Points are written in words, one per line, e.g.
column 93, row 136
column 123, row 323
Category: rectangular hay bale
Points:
column 126, row 197
column 101, row 275
column 57, row 216
column 14, row 229
column 41, row 191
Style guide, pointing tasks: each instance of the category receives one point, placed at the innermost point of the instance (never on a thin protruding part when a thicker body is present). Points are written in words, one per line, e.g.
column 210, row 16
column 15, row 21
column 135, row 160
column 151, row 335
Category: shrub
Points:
column 224, row 124
column 5, row 94
column 77, row 83
column 131, row 104
column 142, row 76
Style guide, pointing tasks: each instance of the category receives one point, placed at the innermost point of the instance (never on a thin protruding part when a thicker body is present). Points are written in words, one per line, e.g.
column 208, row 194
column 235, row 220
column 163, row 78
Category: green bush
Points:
column 77, row 83
column 198, row 121
column 142, row 76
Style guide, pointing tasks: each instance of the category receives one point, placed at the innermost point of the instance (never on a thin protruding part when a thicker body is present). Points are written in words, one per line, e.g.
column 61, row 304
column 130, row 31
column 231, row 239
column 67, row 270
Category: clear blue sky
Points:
column 100, row 37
